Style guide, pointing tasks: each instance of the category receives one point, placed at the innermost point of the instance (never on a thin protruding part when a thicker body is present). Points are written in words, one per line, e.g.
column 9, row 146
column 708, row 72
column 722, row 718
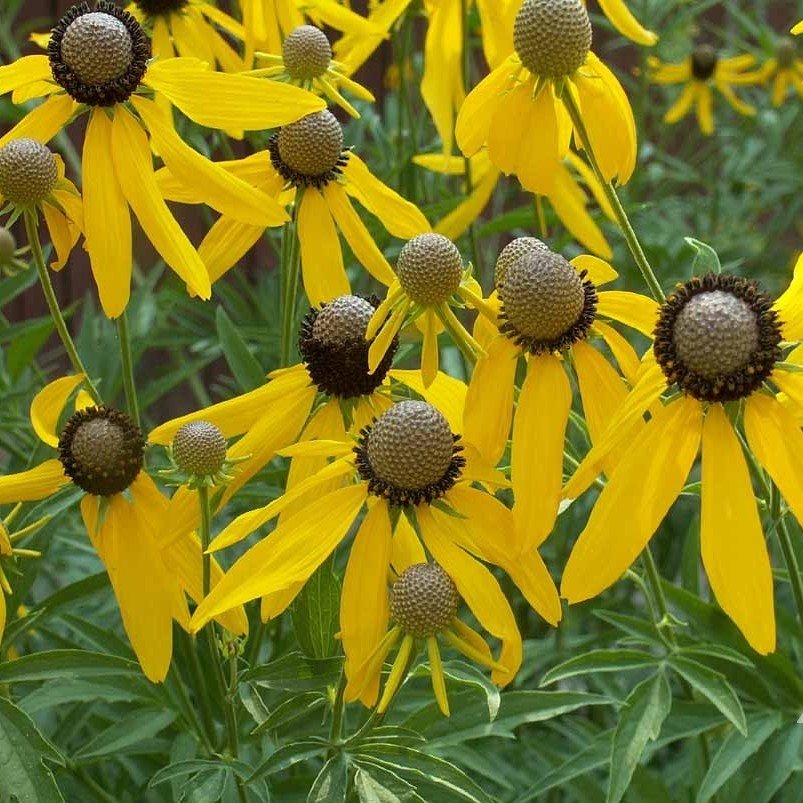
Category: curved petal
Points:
column 571, row 210
column 48, row 404
column 43, row 122
column 705, row 109
column 624, row 22
column 24, row 70
column 364, row 608
column 731, row 539
column 653, row 472
column 225, row 244
column 539, row 430
column 406, row 548
column 599, row 271
column 790, row 305
column 33, row 484
column 631, row 309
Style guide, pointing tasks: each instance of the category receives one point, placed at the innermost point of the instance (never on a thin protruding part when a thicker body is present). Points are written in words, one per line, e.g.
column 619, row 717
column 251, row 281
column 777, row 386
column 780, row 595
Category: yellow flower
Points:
column 407, row 466
column 547, row 309
column 307, row 159
column 306, row 60
column 430, row 279
column 623, row 20
column 100, row 450
column 32, row 177
column 568, row 199
column 798, row 29
column 82, row 76
column 718, row 341
column 518, row 111
column 784, row 70
column 703, row 72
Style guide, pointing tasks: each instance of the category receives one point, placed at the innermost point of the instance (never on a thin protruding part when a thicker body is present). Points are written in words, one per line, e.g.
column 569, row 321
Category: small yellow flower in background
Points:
column 623, row 20
column 32, row 177
column 718, row 340
column 98, row 60
column 784, row 71
column 407, row 463
column 567, row 199
column 308, row 158
column 547, row 308
column 430, row 279
column 518, row 111
column 100, row 450
column 306, row 60
column 702, row 73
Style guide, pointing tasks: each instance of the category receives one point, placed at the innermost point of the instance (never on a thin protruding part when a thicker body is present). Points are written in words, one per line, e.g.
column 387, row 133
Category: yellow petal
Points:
column 477, row 112
column 624, row 22
column 797, row 29
column 406, row 548
column 364, row 608
column 43, row 122
column 705, row 111
column 631, row 309
column 107, row 220
column 429, row 351
column 680, row 108
column 539, row 429
column 222, row 100
column 25, row 70
column 465, row 213
column 225, row 244
column 624, row 354
column 643, row 487
column 290, row 554
column 438, row 678
column 776, row 440
column 222, row 191
column 400, row 217
column 321, row 258
column 731, row 539
column 357, row 235
column 32, row 485
column 489, row 401
column 48, row 404
column 134, row 169
column 446, row 393
column 571, row 209
column 497, row 29
column 597, row 270
column 63, row 234
column 790, row 305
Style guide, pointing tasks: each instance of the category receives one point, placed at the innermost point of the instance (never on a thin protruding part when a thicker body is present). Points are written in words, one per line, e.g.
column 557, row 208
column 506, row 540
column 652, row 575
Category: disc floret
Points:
column 99, row 57
column 409, row 454
column 512, row 252
column 101, row 450
column 424, row 600
column 546, row 304
column 28, row 172
column 703, row 62
column 157, row 8
column 430, row 268
column 334, row 349
column 306, row 53
column 552, row 37
column 718, row 337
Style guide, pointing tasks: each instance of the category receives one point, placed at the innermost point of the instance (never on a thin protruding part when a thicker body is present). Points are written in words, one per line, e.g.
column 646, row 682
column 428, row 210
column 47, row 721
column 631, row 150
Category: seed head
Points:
column 306, row 53
column 430, row 268
column 155, row 8
column 199, row 449
column 512, row 252
column 101, row 450
column 703, row 62
column 785, row 52
column 552, row 37
column 343, row 320
column 313, row 145
column 424, row 600
column 97, row 48
column 28, row 172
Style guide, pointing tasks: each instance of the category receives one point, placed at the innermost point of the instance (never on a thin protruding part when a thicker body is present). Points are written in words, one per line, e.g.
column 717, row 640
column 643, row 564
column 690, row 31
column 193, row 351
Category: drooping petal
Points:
column 24, row 70
column 776, row 440
column 48, row 404
column 705, row 109
column 638, row 495
column 290, row 554
column 569, row 203
column 34, row 484
column 479, row 108
column 63, row 234
column 489, row 400
column 226, row 101
column 539, row 429
column 225, row 244
column 631, row 309
column 731, row 539
column 623, row 20
column 321, row 258
column 364, row 608
column 406, row 548
column 43, row 122
column 134, row 169
column 107, row 221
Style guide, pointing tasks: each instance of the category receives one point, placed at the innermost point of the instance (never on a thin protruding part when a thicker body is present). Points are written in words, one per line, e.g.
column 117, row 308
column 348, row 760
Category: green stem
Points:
column 658, row 597
column 126, row 356
column 203, row 699
column 291, row 259
column 610, row 193
column 32, row 230
column 788, row 550
column 206, row 536
column 336, row 730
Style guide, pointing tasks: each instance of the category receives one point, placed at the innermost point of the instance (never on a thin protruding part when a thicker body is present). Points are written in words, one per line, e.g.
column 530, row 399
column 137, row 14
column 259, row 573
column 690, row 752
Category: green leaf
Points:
column 377, row 784
column 315, row 613
column 295, row 672
column 331, row 784
column 243, row 364
column 22, row 753
column 640, row 721
column 468, row 675
column 600, row 661
column 197, row 765
column 77, row 664
column 133, row 729
column 23, row 350
column 767, row 770
column 434, row 770
column 714, row 687
column 297, row 706
column 288, row 755
column 706, row 259
column 735, row 750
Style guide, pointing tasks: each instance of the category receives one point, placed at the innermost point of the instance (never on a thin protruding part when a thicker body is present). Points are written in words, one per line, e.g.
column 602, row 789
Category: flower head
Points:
column 718, row 340
column 784, row 70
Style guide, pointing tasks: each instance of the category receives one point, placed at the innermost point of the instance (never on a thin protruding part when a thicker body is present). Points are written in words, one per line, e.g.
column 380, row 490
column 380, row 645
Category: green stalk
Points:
column 32, row 230
column 290, row 270
column 126, row 355
column 336, row 730
column 788, row 550
column 610, row 193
